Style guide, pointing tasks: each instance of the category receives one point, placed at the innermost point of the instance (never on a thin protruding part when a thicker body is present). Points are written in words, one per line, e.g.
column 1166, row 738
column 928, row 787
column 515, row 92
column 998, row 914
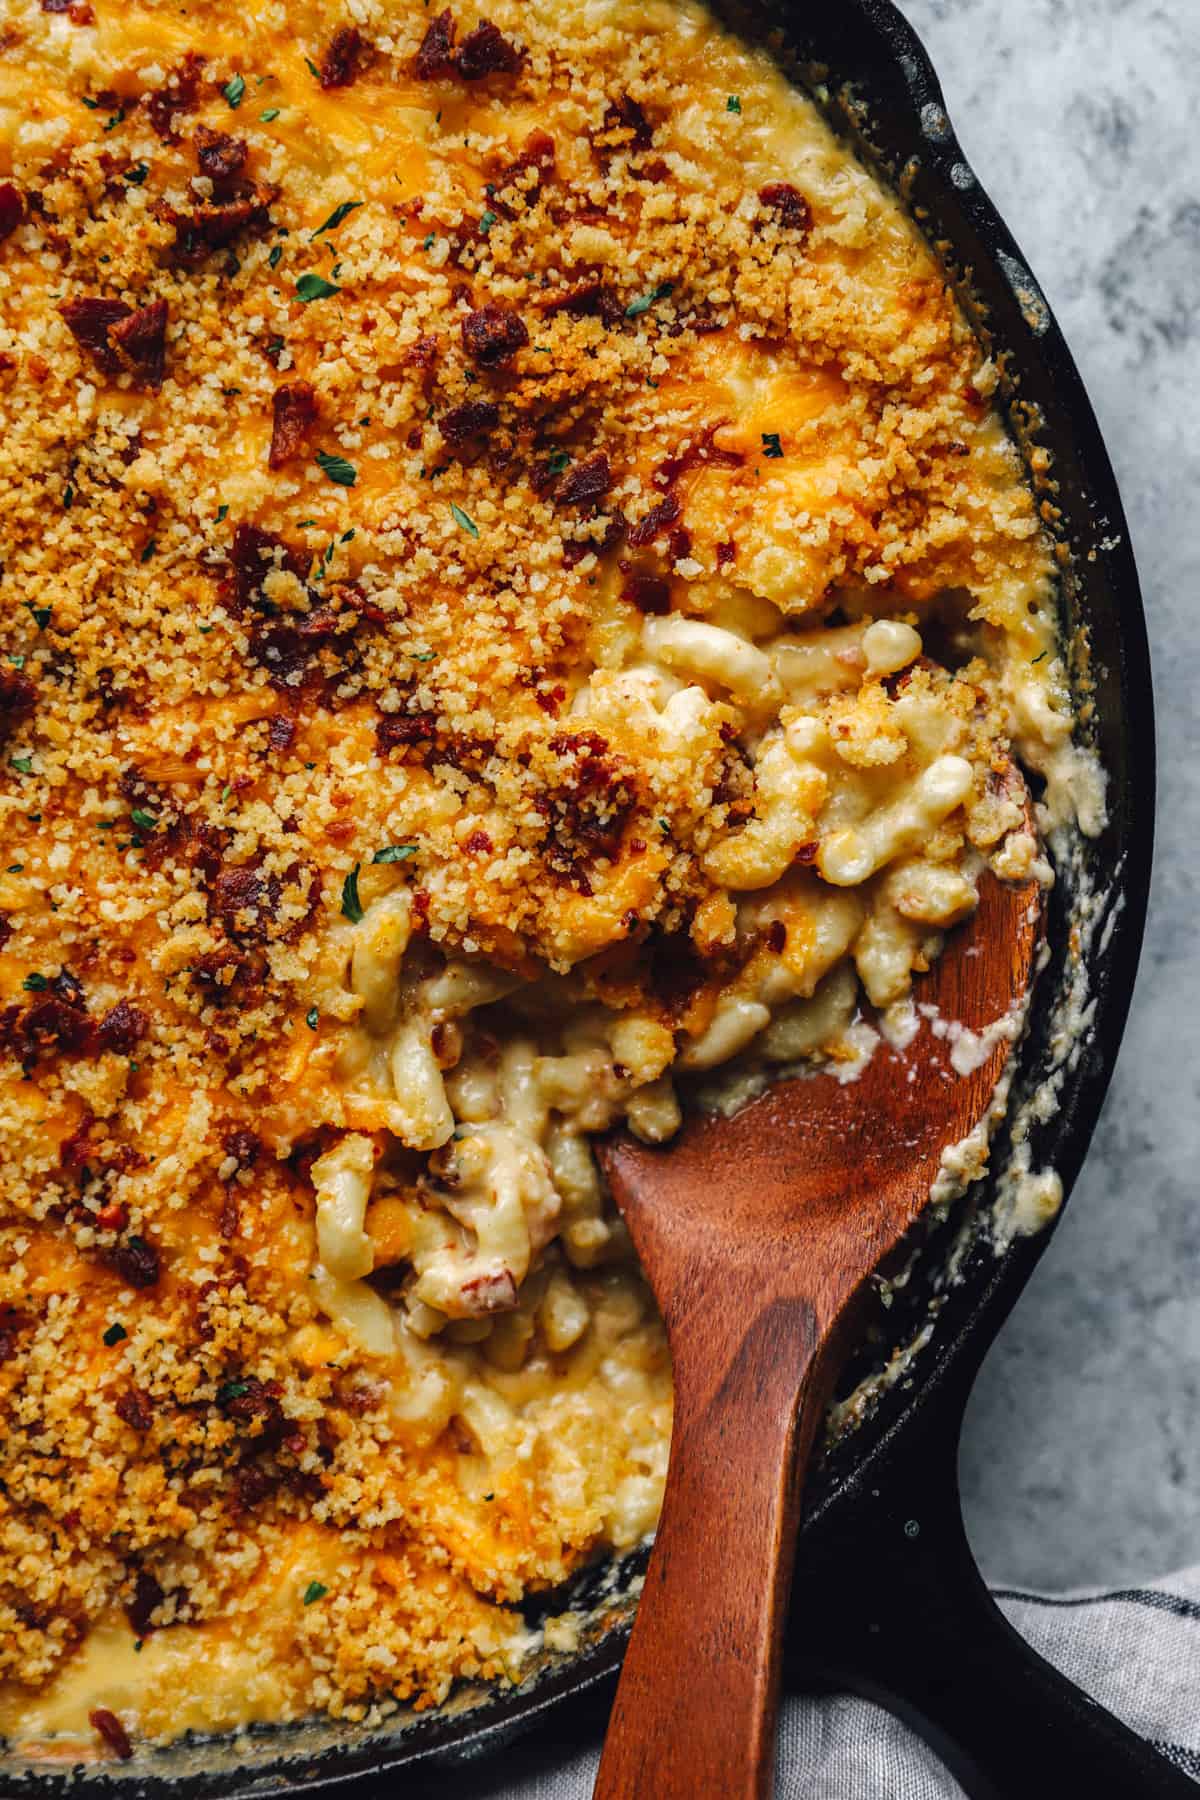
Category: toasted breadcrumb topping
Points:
column 369, row 379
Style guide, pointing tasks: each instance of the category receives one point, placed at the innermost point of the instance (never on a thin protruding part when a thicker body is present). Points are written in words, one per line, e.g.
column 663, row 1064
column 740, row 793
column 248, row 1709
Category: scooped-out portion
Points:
column 519, row 614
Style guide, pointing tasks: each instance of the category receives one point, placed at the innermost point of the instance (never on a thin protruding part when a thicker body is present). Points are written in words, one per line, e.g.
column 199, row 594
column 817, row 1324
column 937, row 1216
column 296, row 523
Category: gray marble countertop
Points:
column 1081, row 1459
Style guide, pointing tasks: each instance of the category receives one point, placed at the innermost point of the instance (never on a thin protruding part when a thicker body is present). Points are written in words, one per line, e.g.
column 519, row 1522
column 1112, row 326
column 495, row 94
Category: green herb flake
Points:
column 733, row 104
column 1038, row 659
column 315, row 287
column 271, row 113
column 137, row 174
column 488, row 220
column 35, row 983
column 231, row 1390
column 68, row 497
column 312, row 68
column 92, row 105
column 771, row 444
column 337, row 468
column 22, row 764
column 18, row 662
column 393, row 853
column 311, row 1017
column 15, row 868
column 347, row 536
column 430, row 241
column 644, row 302
column 222, row 514
column 558, row 462
column 114, row 1334
column 148, row 552
column 351, row 904
column 337, row 215
column 137, row 1646
column 41, row 615
column 316, row 1590
column 234, row 90
column 274, row 255
column 145, row 821
column 464, row 519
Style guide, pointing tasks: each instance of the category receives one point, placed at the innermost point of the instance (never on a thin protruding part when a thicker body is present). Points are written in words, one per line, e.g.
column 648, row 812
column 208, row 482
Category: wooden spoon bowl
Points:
column 760, row 1234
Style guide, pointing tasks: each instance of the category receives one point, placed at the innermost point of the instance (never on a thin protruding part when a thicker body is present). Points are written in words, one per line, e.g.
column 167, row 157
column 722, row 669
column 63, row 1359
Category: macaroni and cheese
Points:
column 515, row 597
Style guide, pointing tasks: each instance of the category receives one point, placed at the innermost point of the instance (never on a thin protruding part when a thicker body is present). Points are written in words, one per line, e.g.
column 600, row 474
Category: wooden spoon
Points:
column 759, row 1235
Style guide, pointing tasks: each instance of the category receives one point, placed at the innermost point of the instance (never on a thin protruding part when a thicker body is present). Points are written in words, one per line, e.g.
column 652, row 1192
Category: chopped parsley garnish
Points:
column 346, row 536
column 148, row 552
column 771, row 444
column 430, row 241
column 312, row 68
column 22, row 764
column 18, row 662
column 1038, row 659
column 488, row 220
column 394, row 853
column 274, row 254
column 233, row 91
column 272, row 112
column 114, row 1334
column 351, row 904
column 68, row 497
column 311, row 1017
column 337, row 215
column 145, row 821
column 733, row 104
column 644, row 302
column 315, row 287
column 15, row 868
column 35, row 983
column 316, row 1590
column 41, row 614
column 137, row 174
column 92, row 105
column 337, row 468
column 464, row 519
column 222, row 514
column 231, row 1390
column 558, row 462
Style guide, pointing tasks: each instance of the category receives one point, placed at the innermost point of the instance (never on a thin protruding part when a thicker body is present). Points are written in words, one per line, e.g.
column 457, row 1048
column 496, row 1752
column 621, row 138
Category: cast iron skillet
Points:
column 894, row 1606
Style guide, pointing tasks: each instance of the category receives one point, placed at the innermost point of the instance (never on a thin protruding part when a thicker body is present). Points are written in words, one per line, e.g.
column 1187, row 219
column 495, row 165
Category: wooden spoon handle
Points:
column 694, row 1717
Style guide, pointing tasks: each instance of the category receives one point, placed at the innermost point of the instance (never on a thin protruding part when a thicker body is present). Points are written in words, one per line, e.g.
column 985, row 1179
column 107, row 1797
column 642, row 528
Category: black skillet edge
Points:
column 903, row 130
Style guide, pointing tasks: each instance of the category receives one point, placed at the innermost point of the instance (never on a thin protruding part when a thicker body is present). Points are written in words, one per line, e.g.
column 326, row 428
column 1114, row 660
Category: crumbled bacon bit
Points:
column 78, row 11
column 293, row 414
column 112, row 1731
column 219, row 156
column 18, row 697
column 12, row 1324
column 244, row 1147
column 486, row 51
column 776, row 936
column 136, row 1262
column 148, row 1595
column 626, row 126
column 253, row 554
column 587, row 300
column 12, row 209
column 343, row 58
column 179, row 94
column 788, row 204
column 89, row 321
column 281, row 732
column 536, row 153
column 657, row 520
column 214, row 226
column 122, row 1029
column 478, row 842
column 252, row 1484
column 436, row 54
column 493, row 334
column 726, row 552
column 475, row 418
column 134, row 1408
column 587, row 484
column 807, row 853
column 113, row 1217
column 647, row 593
column 142, row 340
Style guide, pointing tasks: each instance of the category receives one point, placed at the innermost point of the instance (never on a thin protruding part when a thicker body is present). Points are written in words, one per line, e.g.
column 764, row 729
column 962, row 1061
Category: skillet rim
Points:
column 873, row 47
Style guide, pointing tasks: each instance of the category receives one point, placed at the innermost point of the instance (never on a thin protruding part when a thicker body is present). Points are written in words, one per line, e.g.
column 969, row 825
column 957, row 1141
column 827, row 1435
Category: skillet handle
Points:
column 906, row 1619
